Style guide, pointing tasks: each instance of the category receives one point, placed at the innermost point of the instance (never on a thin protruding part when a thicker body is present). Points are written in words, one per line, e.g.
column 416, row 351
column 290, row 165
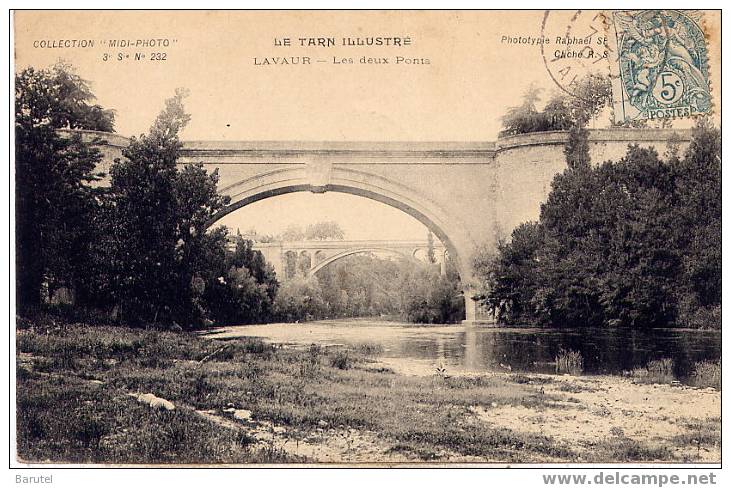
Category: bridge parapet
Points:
column 596, row 136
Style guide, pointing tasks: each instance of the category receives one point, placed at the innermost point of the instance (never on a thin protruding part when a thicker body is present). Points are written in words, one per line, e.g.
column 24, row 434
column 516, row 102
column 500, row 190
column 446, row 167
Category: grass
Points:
column 706, row 374
column 64, row 417
column 700, row 433
column 370, row 348
column 341, row 360
column 658, row 371
column 575, row 388
column 524, row 379
column 570, row 362
column 623, row 449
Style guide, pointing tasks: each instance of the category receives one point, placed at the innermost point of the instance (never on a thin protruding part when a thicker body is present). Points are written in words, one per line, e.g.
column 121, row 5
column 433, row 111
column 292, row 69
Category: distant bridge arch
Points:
column 280, row 253
column 349, row 252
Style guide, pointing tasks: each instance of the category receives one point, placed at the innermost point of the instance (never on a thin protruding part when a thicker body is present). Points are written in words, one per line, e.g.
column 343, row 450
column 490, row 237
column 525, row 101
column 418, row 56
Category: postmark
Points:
column 660, row 70
column 576, row 46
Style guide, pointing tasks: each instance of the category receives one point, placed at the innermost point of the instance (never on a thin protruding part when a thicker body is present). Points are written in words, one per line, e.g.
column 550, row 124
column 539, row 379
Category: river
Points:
column 424, row 348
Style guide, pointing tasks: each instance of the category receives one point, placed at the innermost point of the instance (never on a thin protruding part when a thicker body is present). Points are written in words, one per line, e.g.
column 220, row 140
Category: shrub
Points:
column 370, row 348
column 656, row 371
column 707, row 374
column 569, row 362
column 341, row 360
column 702, row 318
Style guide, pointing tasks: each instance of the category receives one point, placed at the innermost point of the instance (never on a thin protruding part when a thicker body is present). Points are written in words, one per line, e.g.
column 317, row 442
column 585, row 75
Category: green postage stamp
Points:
column 660, row 65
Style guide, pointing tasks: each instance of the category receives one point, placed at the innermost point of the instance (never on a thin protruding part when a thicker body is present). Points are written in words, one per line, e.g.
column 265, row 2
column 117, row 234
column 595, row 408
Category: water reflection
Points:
column 605, row 351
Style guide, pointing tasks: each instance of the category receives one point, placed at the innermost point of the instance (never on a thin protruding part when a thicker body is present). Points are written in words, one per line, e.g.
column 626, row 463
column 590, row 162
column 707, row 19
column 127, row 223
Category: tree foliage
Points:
column 318, row 231
column 293, row 232
column 369, row 285
column 562, row 111
column 241, row 288
column 324, row 231
column 299, row 299
column 526, row 118
column 430, row 253
column 632, row 243
column 427, row 297
column 54, row 201
column 157, row 257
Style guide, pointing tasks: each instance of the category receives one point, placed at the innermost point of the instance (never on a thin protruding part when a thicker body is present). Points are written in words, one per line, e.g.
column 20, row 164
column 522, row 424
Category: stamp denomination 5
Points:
column 661, row 67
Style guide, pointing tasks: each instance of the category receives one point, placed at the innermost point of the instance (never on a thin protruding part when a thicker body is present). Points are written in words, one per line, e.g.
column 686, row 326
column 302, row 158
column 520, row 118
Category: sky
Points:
column 359, row 217
column 479, row 64
column 470, row 81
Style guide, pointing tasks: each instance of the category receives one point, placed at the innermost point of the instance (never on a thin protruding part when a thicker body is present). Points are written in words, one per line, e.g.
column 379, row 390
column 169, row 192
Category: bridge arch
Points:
column 448, row 228
column 349, row 252
column 467, row 193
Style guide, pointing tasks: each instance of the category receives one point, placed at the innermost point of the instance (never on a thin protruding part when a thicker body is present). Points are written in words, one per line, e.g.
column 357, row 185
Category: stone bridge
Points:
column 467, row 193
column 321, row 253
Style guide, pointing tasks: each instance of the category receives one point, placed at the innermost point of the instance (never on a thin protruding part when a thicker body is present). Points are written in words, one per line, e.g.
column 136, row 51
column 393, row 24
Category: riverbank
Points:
column 246, row 401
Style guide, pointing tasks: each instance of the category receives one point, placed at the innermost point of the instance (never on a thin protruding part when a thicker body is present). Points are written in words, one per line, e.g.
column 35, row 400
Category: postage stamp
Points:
column 660, row 65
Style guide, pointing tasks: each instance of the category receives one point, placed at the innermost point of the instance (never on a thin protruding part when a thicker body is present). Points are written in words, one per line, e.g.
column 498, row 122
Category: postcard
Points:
column 367, row 238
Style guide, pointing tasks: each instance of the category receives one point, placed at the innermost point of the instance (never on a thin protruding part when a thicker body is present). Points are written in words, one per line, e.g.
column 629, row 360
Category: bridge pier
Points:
column 470, row 309
column 473, row 316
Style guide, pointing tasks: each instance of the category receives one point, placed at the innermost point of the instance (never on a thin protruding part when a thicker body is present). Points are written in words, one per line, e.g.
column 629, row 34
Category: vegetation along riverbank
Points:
column 84, row 396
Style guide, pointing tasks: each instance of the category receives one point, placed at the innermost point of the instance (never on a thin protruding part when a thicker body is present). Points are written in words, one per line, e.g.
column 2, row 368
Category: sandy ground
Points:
column 320, row 445
column 595, row 408
column 613, row 406
column 600, row 407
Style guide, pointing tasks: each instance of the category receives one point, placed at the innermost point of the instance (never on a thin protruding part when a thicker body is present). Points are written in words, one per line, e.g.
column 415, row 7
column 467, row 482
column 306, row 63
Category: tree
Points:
column 293, row 232
column 144, row 218
column 631, row 243
column 606, row 259
column 54, row 202
column 157, row 218
column 253, row 235
column 589, row 96
column 511, row 275
column 242, row 288
column 576, row 149
column 290, row 264
column 58, row 98
column 304, row 263
column 323, row 231
column 299, row 298
column 698, row 223
column 196, row 201
column 525, row 117
column 427, row 297
column 362, row 285
column 319, row 231
column 368, row 285
column 431, row 257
